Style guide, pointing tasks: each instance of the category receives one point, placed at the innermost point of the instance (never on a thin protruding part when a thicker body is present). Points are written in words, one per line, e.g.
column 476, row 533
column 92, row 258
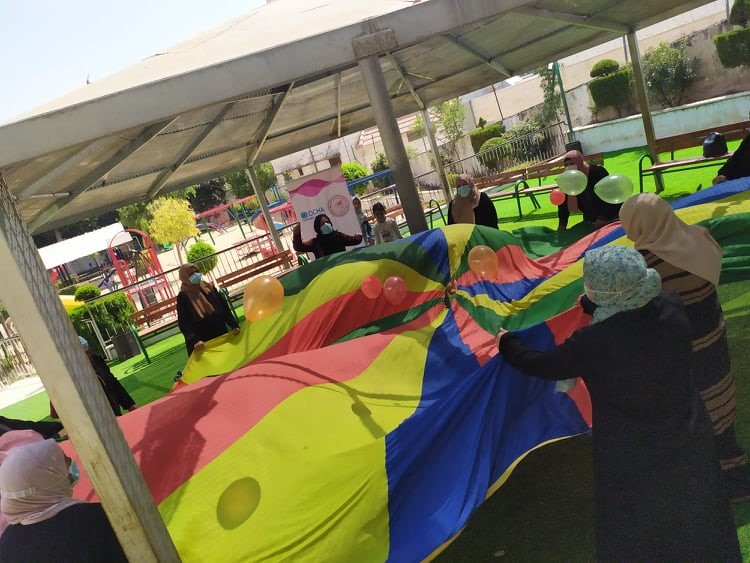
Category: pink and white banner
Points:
column 323, row 192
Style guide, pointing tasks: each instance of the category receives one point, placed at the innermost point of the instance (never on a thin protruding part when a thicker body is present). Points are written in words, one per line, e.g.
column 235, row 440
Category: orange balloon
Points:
column 263, row 297
column 483, row 262
column 557, row 196
column 395, row 290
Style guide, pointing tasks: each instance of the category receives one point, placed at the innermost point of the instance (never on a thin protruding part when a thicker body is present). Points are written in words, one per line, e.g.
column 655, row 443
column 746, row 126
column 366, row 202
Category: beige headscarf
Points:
column 34, row 483
column 8, row 441
column 575, row 157
column 462, row 208
column 196, row 293
column 652, row 225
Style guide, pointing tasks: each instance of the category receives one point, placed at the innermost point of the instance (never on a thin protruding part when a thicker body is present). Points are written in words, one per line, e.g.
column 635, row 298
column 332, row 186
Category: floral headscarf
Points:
column 617, row 279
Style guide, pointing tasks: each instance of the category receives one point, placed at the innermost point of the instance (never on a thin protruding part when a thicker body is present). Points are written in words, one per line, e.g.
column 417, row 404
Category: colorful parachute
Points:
column 351, row 429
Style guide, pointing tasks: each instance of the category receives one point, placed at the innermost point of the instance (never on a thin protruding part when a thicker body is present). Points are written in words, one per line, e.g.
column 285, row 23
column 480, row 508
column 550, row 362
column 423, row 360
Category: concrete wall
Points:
column 628, row 132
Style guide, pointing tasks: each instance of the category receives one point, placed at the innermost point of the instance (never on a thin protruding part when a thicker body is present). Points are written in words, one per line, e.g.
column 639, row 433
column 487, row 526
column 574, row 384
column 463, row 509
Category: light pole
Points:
column 556, row 71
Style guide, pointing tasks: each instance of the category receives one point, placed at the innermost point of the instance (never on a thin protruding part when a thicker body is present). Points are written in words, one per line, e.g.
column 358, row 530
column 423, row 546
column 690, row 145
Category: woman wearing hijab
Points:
column 594, row 209
column 8, row 441
column 470, row 205
column 657, row 481
column 45, row 522
column 202, row 314
column 689, row 261
column 327, row 239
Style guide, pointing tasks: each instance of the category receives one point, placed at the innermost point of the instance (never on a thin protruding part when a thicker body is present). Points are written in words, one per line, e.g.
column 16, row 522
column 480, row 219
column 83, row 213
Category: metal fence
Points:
column 14, row 362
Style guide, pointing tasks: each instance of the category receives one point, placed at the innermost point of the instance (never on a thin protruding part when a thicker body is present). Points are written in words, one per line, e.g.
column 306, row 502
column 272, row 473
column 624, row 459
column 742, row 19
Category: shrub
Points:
column 480, row 136
column 667, row 72
column 740, row 13
column 733, row 47
column 614, row 90
column 111, row 314
column 492, row 158
column 68, row 290
column 203, row 255
column 604, row 67
column 527, row 142
column 87, row 291
column 353, row 171
column 378, row 165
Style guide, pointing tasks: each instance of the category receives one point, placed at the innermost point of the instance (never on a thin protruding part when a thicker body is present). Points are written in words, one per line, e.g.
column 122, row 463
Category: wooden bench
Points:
column 286, row 259
column 520, row 186
column 152, row 320
column 686, row 141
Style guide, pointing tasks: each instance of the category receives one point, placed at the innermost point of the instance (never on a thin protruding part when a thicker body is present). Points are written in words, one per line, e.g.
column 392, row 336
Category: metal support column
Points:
column 76, row 393
column 377, row 91
column 556, row 70
column 640, row 88
column 436, row 155
column 261, row 195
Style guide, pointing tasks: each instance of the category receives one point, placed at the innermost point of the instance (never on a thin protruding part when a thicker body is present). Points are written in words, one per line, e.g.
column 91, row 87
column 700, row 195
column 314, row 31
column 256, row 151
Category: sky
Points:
column 51, row 47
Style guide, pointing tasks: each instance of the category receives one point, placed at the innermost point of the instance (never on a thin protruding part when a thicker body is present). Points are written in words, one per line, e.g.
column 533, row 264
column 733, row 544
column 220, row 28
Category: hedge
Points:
column 480, row 136
column 493, row 158
column 111, row 313
column 604, row 67
column 87, row 291
column 203, row 255
column 733, row 47
column 614, row 90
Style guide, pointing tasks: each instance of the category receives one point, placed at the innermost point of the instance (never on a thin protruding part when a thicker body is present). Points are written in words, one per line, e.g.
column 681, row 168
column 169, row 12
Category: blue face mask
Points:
column 326, row 228
column 195, row 278
column 73, row 472
column 464, row 191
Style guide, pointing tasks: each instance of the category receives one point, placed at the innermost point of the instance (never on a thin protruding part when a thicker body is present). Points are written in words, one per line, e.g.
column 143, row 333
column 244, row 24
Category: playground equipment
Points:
column 140, row 264
column 283, row 210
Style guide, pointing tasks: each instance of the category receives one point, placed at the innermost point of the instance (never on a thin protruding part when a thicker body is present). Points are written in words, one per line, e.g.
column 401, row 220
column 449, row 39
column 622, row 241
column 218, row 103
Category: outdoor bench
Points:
column 686, row 141
column 286, row 259
column 153, row 320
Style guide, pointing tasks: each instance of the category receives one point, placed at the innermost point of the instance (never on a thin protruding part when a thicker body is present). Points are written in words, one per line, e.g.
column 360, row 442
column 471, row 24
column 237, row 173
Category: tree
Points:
column 137, row 216
column 449, row 119
column 203, row 255
column 668, row 72
column 172, row 222
column 208, row 195
column 239, row 183
column 552, row 105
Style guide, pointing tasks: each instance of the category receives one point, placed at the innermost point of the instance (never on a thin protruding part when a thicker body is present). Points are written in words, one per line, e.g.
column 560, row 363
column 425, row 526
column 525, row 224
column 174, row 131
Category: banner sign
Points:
column 323, row 193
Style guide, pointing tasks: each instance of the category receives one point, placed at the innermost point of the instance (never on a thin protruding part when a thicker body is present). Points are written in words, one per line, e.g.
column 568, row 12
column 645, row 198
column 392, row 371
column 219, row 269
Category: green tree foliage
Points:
column 613, row 90
column 740, row 13
column 449, row 120
column 137, row 216
column 492, row 158
column 209, row 194
column 668, row 72
column 239, row 184
column 87, row 291
column 733, row 47
column 418, row 129
column 172, row 222
column 354, row 171
column 549, row 113
column 203, row 255
column 378, row 165
column 479, row 136
column 481, row 123
column 604, row 67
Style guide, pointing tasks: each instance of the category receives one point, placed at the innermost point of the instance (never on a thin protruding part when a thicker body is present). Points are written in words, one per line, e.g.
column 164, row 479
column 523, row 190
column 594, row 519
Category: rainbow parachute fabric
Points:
column 349, row 429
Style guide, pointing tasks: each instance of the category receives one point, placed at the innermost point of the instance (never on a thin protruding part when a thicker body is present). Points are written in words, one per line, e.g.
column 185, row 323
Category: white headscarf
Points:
column 8, row 441
column 34, row 483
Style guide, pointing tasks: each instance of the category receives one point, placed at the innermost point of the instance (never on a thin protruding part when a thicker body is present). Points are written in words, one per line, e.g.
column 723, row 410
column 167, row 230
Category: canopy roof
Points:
column 279, row 79
column 83, row 245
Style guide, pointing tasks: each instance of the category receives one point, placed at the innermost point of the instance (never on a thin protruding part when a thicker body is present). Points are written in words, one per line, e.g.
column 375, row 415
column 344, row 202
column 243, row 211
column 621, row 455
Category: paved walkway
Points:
column 20, row 390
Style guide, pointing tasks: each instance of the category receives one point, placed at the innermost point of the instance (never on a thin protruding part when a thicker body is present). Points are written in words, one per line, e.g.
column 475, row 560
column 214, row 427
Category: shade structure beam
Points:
column 72, row 386
column 489, row 61
column 158, row 184
column 265, row 127
column 96, row 174
column 590, row 22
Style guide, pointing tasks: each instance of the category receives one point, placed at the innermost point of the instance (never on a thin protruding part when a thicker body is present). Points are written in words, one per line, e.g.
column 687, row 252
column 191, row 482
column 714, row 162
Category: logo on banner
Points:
column 339, row 205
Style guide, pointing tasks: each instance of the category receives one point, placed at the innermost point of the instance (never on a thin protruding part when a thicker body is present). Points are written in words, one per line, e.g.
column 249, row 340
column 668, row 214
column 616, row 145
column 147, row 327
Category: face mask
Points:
column 195, row 278
column 326, row 228
column 74, row 474
column 464, row 191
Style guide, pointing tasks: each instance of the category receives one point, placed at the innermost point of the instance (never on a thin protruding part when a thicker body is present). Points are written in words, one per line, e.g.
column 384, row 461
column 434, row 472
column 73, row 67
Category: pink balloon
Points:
column 557, row 196
column 371, row 287
column 395, row 290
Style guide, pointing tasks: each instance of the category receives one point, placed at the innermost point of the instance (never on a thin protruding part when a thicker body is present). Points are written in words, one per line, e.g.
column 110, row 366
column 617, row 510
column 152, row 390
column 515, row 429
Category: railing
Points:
column 14, row 362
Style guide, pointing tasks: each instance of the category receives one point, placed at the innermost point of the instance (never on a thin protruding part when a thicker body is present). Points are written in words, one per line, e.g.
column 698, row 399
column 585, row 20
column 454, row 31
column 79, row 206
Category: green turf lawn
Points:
column 544, row 511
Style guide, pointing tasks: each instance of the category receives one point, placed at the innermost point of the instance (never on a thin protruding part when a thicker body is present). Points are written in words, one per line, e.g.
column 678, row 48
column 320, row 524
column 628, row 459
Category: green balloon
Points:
column 614, row 188
column 572, row 182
